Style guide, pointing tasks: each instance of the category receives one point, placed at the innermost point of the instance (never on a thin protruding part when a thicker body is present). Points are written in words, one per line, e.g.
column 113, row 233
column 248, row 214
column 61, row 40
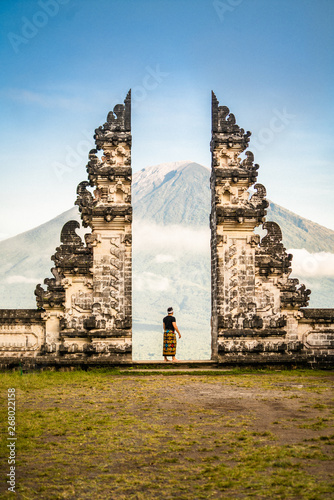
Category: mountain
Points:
column 179, row 193
column 173, row 193
column 25, row 261
column 171, row 256
column 301, row 233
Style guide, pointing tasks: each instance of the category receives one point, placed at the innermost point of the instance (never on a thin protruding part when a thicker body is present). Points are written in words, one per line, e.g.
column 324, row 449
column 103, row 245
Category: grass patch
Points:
column 109, row 434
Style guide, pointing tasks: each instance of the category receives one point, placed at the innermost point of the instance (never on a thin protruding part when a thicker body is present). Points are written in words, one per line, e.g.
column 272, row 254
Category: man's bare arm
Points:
column 176, row 328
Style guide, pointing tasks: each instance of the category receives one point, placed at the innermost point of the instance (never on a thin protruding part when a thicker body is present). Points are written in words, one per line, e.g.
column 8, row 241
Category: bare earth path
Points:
column 112, row 435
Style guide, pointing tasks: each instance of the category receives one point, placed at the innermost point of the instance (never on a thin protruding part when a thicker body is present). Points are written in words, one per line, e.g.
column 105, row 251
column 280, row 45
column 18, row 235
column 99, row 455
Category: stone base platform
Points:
column 27, row 364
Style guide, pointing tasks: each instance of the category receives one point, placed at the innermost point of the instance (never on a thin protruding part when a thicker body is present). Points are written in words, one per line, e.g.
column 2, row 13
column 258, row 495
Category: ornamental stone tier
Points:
column 84, row 312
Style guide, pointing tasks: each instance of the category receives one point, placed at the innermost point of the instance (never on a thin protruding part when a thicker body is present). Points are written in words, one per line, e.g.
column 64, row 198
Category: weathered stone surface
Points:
column 12, row 316
column 21, row 331
column 320, row 315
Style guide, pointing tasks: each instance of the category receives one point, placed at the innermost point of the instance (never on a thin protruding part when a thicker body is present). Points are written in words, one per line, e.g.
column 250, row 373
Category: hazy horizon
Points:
column 69, row 62
column 135, row 175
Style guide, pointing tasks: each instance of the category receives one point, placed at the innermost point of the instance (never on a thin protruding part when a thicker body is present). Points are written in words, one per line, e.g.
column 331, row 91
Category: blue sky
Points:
column 66, row 63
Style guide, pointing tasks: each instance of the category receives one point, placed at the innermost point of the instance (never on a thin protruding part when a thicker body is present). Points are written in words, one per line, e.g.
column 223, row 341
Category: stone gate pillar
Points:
column 109, row 214
column 88, row 302
column 255, row 305
column 232, row 222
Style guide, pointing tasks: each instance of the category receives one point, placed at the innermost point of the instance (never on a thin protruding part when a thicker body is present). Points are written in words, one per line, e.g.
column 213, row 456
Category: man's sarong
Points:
column 169, row 343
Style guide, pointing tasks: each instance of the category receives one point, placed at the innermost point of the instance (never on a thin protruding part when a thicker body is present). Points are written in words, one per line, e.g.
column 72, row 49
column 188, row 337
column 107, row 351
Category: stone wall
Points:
column 22, row 332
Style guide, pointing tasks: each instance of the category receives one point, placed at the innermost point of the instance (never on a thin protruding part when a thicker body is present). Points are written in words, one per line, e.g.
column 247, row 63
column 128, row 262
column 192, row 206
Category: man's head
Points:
column 170, row 310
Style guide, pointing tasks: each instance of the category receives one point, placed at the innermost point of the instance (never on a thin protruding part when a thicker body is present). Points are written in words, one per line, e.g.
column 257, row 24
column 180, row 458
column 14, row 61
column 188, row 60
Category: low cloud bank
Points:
column 169, row 240
column 162, row 258
column 22, row 279
column 307, row 264
column 150, row 282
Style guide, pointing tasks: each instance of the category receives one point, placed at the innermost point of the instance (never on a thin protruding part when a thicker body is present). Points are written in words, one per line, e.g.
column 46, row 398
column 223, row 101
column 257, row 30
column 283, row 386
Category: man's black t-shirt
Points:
column 169, row 320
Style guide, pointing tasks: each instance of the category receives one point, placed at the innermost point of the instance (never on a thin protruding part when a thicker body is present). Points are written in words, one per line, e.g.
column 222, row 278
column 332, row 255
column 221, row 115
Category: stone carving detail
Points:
column 272, row 260
column 72, row 256
column 85, row 202
column 111, row 164
column 85, row 198
column 271, row 256
column 111, row 174
column 110, row 293
column 55, row 293
column 258, row 199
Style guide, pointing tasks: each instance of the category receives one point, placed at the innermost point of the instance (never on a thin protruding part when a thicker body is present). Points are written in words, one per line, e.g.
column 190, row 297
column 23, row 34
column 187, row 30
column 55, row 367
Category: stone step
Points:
column 181, row 366
column 177, row 365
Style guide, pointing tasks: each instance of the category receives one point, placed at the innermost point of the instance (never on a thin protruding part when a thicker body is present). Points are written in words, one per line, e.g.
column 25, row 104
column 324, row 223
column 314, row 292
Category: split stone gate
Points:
column 84, row 315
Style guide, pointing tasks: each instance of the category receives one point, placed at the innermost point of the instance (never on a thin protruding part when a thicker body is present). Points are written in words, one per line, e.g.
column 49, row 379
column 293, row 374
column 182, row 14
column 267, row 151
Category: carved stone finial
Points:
column 55, row 293
column 258, row 202
column 274, row 236
column 225, row 132
column 224, row 122
column 68, row 235
column 85, row 198
column 127, row 115
column 117, row 128
column 85, row 202
column 72, row 255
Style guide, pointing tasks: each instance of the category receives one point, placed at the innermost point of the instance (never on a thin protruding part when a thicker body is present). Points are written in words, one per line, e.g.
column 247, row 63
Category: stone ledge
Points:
column 318, row 314
column 251, row 333
column 225, row 362
column 98, row 334
column 21, row 315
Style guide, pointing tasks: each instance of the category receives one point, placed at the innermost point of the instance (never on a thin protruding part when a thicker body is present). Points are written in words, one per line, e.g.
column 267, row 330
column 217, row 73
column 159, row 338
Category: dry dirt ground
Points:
column 112, row 435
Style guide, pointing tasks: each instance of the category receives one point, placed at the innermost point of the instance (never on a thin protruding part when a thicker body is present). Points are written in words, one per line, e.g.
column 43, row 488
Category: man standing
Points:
column 169, row 322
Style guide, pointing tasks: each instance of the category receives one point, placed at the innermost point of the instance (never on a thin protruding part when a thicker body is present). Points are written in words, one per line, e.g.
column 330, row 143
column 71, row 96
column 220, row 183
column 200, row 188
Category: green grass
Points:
column 237, row 434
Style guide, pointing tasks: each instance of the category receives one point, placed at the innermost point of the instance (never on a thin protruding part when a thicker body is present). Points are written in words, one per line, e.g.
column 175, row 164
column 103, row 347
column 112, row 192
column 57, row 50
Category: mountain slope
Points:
column 299, row 232
column 25, row 260
column 179, row 193
column 173, row 193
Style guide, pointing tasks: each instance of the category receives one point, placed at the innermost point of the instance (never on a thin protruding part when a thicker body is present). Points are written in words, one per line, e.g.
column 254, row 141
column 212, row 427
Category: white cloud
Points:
column 312, row 264
column 150, row 281
column 174, row 239
column 162, row 258
column 22, row 279
column 44, row 100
